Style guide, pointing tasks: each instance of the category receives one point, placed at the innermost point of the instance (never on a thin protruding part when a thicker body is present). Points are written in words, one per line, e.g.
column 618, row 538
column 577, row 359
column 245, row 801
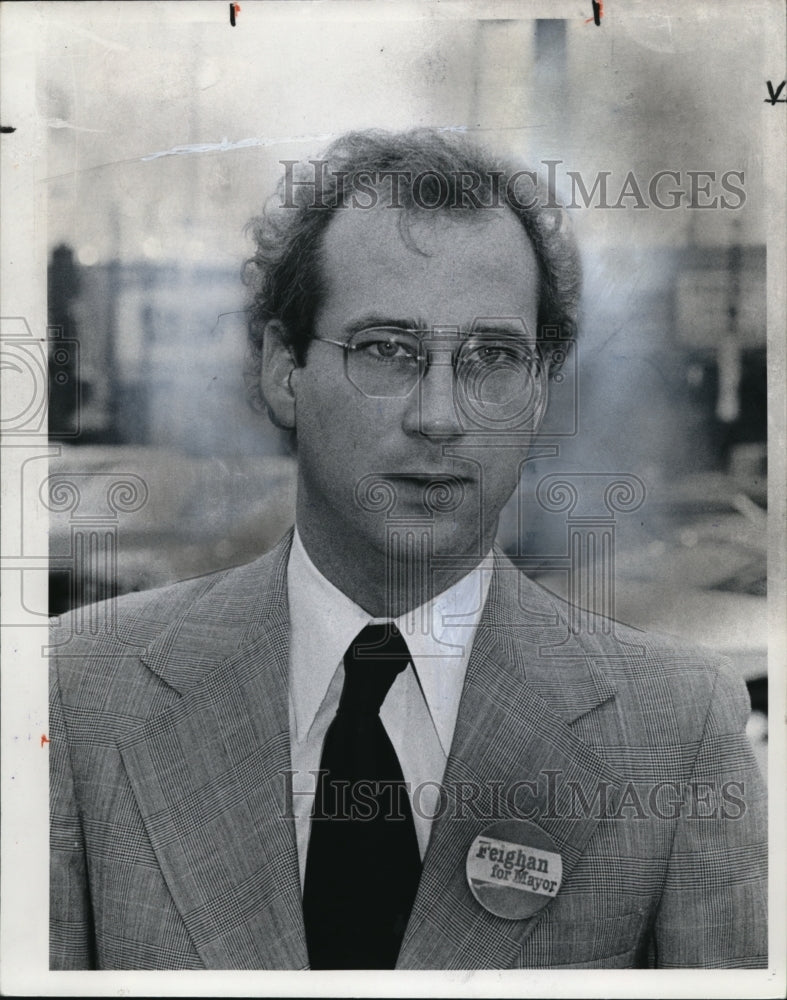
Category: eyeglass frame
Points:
column 422, row 359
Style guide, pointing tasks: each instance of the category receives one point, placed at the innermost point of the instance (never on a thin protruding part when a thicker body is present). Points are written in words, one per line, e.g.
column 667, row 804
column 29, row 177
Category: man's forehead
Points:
column 389, row 233
column 450, row 269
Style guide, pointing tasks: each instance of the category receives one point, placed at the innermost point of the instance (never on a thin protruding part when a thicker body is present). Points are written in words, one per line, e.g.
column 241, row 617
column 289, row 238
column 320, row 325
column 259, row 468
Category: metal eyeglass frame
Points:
column 422, row 359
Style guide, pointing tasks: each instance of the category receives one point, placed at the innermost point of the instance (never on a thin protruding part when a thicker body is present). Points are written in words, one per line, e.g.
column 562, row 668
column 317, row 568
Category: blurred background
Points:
column 166, row 127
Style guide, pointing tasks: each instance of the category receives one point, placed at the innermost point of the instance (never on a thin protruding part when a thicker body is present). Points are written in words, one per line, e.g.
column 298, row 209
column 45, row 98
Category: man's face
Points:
column 465, row 270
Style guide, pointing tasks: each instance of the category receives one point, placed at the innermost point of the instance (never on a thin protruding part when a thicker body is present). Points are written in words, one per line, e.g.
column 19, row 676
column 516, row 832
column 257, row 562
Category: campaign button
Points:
column 514, row 869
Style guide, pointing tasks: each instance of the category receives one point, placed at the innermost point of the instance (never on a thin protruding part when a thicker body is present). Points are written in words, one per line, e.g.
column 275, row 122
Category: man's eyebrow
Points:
column 506, row 326
column 381, row 319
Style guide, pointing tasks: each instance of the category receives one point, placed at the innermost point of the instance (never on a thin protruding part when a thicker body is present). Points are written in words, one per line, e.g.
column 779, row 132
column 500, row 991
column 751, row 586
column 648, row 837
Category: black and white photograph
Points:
column 393, row 459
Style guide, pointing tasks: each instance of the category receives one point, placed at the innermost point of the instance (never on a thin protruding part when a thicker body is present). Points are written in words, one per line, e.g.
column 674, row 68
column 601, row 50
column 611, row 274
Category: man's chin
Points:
column 441, row 538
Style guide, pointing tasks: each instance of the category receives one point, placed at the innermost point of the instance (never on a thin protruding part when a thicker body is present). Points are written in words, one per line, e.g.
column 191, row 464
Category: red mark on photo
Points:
column 598, row 13
column 234, row 11
column 44, row 739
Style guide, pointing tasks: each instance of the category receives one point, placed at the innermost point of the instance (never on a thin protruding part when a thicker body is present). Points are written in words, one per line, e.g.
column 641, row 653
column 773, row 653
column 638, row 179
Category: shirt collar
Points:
column 439, row 635
column 324, row 621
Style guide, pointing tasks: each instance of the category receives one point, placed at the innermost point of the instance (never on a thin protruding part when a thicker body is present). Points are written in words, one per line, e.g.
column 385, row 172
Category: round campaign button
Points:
column 514, row 869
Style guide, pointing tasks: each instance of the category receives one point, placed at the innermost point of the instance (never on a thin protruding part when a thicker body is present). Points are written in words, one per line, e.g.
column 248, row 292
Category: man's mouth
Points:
column 437, row 492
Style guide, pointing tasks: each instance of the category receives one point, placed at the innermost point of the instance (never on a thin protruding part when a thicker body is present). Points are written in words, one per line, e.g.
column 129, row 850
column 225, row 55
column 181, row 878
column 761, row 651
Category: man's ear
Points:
column 278, row 365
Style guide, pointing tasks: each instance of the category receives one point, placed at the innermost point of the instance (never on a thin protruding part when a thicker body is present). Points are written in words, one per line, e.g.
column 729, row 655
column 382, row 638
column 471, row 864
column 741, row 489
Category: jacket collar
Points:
column 529, row 627
column 528, row 632
column 245, row 602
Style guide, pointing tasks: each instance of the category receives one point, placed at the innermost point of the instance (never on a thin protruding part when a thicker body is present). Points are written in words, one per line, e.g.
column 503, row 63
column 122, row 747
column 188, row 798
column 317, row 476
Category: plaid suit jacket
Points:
column 172, row 846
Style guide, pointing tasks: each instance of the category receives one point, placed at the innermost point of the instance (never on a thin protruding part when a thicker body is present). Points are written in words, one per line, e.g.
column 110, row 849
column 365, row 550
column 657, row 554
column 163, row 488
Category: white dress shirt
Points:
column 419, row 712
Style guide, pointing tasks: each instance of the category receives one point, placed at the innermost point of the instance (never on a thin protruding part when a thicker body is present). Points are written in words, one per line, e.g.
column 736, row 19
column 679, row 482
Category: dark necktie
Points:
column 363, row 863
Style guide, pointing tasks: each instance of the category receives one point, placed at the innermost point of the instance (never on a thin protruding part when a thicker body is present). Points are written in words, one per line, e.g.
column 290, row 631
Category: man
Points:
column 531, row 793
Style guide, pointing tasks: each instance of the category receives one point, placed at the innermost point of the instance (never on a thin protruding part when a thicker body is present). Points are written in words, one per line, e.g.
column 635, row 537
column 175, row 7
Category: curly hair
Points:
column 284, row 275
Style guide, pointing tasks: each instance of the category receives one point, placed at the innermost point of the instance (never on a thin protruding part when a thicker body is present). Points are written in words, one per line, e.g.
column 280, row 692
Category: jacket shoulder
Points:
column 655, row 676
column 113, row 642
column 132, row 620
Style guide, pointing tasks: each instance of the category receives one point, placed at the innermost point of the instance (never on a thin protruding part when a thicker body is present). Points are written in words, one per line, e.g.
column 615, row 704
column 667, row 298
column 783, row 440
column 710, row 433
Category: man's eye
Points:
column 390, row 350
column 493, row 352
column 497, row 354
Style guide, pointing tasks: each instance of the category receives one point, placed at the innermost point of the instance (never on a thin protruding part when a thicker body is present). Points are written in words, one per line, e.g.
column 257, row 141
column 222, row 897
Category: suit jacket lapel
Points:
column 210, row 773
column 514, row 725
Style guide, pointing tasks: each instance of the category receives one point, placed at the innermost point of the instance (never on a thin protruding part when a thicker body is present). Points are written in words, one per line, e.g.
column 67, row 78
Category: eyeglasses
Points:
column 490, row 369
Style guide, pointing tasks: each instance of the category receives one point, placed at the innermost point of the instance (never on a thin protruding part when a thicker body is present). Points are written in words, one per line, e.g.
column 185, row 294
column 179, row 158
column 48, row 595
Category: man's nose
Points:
column 433, row 410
